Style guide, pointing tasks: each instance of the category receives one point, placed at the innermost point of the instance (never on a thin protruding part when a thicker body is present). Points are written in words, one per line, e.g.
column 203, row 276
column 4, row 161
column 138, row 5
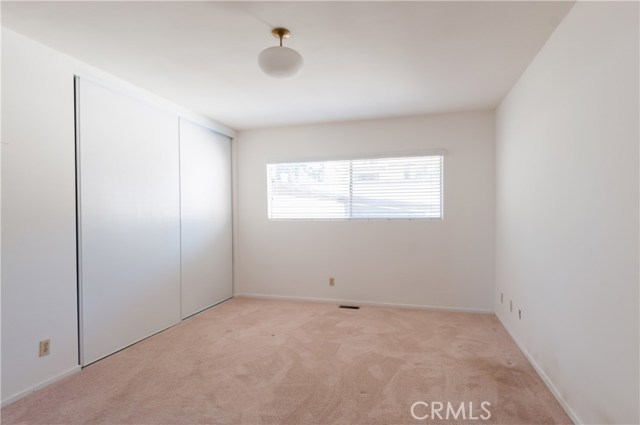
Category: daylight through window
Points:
column 381, row 188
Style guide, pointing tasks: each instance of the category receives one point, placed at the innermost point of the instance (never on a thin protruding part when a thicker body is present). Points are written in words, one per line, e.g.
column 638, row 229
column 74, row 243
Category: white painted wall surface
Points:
column 567, row 211
column 38, row 215
column 436, row 263
column 39, row 298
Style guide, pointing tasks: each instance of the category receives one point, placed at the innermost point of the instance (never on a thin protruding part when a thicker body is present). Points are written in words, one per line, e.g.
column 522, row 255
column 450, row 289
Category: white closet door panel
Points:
column 129, row 220
column 205, row 169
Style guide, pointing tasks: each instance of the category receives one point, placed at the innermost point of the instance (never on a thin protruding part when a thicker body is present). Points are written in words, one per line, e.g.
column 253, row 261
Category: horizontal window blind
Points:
column 380, row 188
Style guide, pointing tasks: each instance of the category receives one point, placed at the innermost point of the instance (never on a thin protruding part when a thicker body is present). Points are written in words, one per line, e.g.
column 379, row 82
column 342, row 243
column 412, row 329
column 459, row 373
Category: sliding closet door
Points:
column 205, row 169
column 129, row 219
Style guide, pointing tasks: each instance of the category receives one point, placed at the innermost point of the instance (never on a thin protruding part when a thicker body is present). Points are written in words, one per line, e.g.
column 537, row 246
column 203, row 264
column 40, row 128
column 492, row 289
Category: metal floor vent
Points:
column 352, row 307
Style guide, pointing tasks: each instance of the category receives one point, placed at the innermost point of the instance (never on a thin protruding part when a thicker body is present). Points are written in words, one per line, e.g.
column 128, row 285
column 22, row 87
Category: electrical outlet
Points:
column 45, row 347
column 332, row 281
column 501, row 298
column 511, row 306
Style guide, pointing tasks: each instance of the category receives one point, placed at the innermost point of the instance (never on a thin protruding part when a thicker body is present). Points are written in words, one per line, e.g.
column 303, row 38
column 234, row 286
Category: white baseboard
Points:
column 358, row 302
column 41, row 385
column 547, row 381
column 202, row 310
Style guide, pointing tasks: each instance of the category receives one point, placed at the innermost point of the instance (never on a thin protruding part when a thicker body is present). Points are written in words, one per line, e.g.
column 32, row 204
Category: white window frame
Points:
column 433, row 152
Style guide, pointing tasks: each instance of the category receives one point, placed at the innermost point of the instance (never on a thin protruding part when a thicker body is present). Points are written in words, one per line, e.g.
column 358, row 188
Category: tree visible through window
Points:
column 381, row 188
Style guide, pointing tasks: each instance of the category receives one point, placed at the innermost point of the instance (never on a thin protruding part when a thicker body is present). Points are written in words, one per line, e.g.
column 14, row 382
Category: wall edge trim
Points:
column 362, row 302
column 40, row 385
column 545, row 378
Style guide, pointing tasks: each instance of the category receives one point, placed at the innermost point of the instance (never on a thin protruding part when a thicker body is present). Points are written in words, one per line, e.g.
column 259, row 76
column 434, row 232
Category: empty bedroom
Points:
column 320, row 212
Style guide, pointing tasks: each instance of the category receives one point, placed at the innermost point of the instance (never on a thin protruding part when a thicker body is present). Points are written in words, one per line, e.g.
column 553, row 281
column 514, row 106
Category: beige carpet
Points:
column 273, row 362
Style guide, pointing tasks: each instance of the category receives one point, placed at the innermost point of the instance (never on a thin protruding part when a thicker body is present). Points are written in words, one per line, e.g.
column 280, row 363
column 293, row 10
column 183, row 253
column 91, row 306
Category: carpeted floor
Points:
column 274, row 362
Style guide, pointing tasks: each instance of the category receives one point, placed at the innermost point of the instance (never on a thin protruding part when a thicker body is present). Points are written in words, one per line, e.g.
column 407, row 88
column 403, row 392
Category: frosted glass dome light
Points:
column 280, row 61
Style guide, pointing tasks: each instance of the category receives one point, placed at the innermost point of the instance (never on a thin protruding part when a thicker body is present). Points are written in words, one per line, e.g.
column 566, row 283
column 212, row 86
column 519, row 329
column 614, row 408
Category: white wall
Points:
column 428, row 263
column 38, row 210
column 38, row 215
column 567, row 211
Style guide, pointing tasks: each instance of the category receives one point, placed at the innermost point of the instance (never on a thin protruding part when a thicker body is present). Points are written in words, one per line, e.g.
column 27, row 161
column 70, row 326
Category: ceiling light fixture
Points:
column 280, row 61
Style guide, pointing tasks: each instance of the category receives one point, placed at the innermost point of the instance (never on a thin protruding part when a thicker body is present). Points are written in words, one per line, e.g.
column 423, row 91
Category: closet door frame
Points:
column 182, row 115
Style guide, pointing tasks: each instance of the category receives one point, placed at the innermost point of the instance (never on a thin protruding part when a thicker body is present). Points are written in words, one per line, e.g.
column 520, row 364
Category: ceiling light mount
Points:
column 280, row 33
column 280, row 61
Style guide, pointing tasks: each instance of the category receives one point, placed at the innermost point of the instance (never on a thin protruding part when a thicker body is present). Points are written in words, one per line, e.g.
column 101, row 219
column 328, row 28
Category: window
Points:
column 381, row 188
